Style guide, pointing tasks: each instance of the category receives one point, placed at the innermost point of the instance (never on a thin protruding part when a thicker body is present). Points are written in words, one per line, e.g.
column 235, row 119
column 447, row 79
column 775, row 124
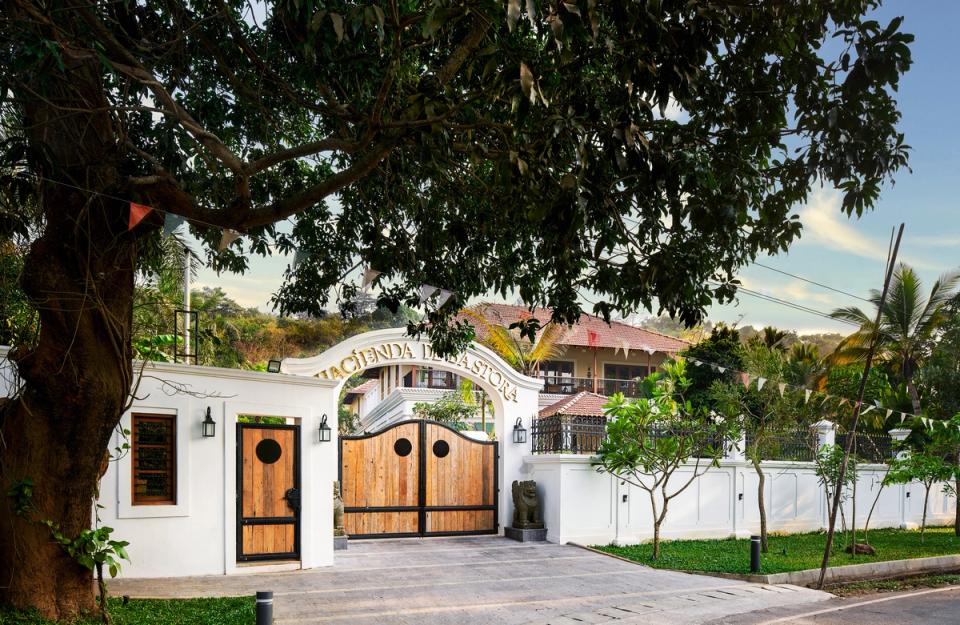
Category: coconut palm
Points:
column 908, row 324
column 520, row 353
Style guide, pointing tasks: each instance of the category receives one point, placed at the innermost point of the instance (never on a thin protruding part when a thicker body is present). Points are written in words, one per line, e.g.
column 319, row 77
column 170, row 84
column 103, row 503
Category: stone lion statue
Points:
column 526, row 506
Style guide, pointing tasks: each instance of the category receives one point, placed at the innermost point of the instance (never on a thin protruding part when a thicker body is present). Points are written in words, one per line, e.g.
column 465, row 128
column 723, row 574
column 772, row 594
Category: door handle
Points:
column 293, row 498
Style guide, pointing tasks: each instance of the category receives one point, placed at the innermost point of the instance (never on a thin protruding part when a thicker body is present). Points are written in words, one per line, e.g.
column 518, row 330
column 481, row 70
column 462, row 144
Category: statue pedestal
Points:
column 526, row 535
column 339, row 543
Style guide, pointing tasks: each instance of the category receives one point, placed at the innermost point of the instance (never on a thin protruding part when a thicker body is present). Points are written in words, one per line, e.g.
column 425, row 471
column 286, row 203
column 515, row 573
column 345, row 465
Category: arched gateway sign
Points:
column 515, row 396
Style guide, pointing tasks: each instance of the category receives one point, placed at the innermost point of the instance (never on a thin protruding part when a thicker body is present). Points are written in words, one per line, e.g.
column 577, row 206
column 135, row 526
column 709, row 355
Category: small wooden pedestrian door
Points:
column 268, row 492
column 418, row 478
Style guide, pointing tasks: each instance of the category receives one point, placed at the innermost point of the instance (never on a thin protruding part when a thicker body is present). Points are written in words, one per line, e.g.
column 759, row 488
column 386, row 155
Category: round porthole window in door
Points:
column 441, row 449
column 268, row 451
column 403, row 447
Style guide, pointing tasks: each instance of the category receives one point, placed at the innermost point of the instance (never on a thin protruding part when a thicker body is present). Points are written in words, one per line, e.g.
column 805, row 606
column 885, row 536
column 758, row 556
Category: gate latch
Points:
column 293, row 498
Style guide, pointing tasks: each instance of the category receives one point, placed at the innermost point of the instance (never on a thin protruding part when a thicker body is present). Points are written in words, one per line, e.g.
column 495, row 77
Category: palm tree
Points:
column 518, row 351
column 908, row 324
column 804, row 366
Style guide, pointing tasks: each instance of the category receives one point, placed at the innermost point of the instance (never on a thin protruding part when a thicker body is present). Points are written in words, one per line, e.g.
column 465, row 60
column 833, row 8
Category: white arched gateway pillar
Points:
column 514, row 395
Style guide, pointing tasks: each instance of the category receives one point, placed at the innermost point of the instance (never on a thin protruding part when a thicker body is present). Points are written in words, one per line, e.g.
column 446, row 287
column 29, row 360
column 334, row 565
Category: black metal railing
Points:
column 567, row 434
column 564, row 385
column 799, row 445
column 875, row 448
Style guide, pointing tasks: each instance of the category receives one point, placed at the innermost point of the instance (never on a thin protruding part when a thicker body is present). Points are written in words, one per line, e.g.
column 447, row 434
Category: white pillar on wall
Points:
column 899, row 435
column 826, row 433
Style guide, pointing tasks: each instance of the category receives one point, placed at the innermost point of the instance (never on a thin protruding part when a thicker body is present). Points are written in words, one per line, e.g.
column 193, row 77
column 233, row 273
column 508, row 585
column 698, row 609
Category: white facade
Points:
column 583, row 506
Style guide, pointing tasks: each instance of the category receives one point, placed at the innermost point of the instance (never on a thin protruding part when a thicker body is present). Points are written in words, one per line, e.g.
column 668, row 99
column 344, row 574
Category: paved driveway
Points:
column 483, row 580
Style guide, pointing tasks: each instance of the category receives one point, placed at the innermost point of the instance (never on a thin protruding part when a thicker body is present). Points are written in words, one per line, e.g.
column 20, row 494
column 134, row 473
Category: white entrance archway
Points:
column 514, row 395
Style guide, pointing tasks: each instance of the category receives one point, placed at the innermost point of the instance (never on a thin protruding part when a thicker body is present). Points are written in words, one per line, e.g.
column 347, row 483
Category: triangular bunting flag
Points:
column 745, row 379
column 866, row 410
column 781, row 387
column 721, row 369
column 694, row 361
column 137, row 213
column 625, row 344
column 171, row 221
column 426, row 291
column 226, row 238
column 889, row 412
column 902, row 417
column 806, row 395
column 369, row 275
column 842, row 402
column 826, row 396
column 444, row 296
column 593, row 338
column 760, row 383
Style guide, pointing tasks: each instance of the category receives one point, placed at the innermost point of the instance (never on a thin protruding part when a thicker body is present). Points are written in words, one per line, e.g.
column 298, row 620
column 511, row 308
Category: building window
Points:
column 625, row 372
column 436, row 378
column 153, row 458
column 557, row 376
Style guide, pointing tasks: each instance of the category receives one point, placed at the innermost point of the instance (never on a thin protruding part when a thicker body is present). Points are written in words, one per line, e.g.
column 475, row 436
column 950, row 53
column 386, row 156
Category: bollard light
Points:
column 754, row 554
column 209, row 425
column 519, row 432
column 264, row 607
column 324, row 430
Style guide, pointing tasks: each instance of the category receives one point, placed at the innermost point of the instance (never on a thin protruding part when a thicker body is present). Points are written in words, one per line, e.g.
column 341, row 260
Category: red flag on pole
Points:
column 593, row 339
column 137, row 213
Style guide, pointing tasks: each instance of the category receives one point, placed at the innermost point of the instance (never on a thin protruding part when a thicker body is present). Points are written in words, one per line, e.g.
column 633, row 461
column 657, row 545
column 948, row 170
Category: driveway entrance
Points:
column 486, row 580
column 418, row 478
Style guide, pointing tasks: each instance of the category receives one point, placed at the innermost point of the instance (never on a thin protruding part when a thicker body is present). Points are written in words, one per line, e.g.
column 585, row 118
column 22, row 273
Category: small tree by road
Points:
column 925, row 466
column 651, row 438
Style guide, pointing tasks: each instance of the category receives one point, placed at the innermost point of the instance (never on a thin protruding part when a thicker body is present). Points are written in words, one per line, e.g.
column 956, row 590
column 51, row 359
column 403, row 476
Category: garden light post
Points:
column 264, row 607
column 754, row 554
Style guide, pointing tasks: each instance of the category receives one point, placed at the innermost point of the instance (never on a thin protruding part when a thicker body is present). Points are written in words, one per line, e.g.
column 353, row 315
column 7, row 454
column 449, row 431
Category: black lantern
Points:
column 519, row 432
column 273, row 366
column 324, row 430
column 209, row 425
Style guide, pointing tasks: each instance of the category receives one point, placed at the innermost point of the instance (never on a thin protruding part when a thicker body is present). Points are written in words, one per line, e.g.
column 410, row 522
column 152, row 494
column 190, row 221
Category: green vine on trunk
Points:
column 94, row 549
column 21, row 491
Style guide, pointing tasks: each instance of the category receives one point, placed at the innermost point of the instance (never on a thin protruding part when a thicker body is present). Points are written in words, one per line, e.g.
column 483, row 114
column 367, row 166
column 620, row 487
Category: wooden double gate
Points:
column 418, row 478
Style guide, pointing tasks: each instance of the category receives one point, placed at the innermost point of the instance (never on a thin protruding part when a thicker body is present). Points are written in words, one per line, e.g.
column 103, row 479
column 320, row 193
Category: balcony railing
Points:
column 563, row 385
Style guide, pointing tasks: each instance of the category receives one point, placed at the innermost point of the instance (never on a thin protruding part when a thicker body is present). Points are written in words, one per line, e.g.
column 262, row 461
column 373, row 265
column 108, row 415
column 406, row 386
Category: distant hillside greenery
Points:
column 825, row 342
column 246, row 338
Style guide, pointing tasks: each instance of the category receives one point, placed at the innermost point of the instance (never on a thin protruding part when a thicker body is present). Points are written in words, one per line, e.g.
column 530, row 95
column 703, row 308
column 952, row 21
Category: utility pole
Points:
column 851, row 437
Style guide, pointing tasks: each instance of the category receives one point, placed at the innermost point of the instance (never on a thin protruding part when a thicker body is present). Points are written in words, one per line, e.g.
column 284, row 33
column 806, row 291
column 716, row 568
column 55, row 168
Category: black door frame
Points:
column 294, row 519
column 422, row 508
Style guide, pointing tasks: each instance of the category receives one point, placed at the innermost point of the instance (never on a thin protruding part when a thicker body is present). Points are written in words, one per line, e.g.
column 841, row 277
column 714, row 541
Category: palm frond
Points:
column 548, row 344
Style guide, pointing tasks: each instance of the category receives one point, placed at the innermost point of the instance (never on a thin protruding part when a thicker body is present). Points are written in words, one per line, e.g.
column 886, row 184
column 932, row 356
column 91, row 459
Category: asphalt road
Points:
column 940, row 606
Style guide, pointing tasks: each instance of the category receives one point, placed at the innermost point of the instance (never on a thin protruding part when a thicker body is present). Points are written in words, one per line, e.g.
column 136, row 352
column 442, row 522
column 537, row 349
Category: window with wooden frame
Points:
column 153, row 456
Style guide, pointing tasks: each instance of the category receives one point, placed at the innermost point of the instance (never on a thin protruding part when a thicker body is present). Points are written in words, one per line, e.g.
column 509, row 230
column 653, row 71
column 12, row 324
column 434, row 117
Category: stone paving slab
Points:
column 486, row 580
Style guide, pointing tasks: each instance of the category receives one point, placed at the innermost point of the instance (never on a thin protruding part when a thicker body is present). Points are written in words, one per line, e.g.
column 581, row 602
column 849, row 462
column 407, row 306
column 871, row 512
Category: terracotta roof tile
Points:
column 362, row 388
column 583, row 404
column 590, row 331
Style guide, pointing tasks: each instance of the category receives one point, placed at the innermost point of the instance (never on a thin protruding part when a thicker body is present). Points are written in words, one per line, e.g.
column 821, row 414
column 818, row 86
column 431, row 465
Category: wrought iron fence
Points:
column 797, row 445
column 875, row 448
column 559, row 434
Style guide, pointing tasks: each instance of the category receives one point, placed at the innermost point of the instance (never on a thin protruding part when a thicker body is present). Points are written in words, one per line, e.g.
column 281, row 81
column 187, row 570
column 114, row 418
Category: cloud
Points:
column 793, row 291
column 937, row 240
column 824, row 223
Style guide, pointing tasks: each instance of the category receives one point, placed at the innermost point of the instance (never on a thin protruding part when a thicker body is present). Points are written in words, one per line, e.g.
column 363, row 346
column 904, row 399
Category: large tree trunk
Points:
column 956, row 506
column 76, row 379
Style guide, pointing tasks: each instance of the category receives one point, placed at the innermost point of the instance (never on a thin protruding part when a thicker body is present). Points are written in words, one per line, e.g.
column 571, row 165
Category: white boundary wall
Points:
column 583, row 506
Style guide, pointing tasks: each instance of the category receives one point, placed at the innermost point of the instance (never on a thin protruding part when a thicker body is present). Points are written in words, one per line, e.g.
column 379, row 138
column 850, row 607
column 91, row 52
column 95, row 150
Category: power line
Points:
column 819, row 284
column 782, row 302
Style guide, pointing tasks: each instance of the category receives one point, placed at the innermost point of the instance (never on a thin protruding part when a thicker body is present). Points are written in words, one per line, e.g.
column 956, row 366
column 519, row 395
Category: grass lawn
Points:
column 789, row 552
column 894, row 585
column 220, row 611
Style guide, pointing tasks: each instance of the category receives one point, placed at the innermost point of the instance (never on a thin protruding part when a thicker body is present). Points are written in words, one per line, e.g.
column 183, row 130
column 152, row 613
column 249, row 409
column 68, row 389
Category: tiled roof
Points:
column 362, row 388
column 590, row 331
column 583, row 404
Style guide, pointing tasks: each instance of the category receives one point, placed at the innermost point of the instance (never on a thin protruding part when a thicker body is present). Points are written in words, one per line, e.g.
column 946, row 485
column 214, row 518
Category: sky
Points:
column 846, row 254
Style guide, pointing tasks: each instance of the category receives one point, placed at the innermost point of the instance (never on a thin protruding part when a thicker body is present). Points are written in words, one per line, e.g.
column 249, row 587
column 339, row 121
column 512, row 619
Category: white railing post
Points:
column 899, row 435
column 826, row 433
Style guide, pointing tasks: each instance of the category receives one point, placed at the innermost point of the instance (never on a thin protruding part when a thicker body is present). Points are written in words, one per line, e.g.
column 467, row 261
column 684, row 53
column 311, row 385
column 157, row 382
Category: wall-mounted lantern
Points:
column 324, row 430
column 519, row 432
column 209, row 425
column 273, row 366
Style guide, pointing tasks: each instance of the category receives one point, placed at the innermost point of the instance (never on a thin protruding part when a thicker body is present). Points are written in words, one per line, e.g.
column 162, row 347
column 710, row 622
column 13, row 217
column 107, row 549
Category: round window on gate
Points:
column 441, row 449
column 403, row 447
column 268, row 451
